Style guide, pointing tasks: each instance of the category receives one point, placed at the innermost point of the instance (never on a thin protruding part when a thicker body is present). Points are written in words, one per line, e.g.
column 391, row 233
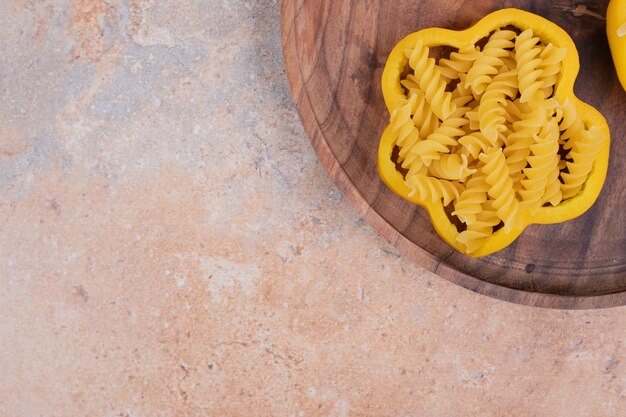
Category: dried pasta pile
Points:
column 482, row 132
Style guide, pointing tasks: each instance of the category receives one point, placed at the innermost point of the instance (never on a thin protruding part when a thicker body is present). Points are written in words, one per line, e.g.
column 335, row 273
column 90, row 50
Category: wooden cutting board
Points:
column 335, row 51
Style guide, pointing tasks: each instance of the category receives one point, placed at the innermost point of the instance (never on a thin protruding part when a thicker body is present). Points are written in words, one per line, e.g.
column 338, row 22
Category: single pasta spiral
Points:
column 487, row 65
column 542, row 162
column 585, row 148
column 491, row 110
column 550, row 67
column 424, row 116
column 528, row 62
column 470, row 202
column 478, row 231
column 428, row 75
column 571, row 125
column 519, row 141
column 433, row 189
column 407, row 135
column 451, row 167
column 553, row 193
column 501, row 188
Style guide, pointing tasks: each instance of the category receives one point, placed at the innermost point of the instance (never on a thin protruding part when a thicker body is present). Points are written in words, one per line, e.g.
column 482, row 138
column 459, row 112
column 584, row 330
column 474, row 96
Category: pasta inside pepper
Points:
column 482, row 132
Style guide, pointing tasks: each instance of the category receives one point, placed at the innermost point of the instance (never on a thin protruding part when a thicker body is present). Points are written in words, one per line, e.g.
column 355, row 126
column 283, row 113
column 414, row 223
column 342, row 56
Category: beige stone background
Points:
column 170, row 245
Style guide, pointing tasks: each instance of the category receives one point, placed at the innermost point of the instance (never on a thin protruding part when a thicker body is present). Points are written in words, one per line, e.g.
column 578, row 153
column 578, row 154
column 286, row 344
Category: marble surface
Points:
column 170, row 245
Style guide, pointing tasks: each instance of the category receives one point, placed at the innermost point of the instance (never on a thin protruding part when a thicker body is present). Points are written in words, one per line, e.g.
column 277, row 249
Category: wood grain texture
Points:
column 334, row 56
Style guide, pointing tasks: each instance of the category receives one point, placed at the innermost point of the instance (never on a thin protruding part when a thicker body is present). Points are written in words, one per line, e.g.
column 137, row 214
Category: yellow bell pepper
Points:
column 616, row 33
column 394, row 97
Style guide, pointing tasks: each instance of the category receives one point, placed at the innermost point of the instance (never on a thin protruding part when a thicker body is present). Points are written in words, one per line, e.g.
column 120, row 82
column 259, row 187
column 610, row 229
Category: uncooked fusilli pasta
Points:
column 481, row 132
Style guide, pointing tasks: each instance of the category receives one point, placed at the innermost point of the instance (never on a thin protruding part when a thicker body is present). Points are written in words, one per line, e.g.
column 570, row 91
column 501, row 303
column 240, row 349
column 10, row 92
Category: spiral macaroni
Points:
column 428, row 75
column 488, row 64
column 481, row 132
column 528, row 62
column 541, row 163
column 501, row 188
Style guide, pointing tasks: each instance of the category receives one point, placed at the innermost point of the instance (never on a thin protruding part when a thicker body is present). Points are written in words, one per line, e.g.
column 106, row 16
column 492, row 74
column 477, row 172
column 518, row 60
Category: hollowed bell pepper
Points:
column 394, row 97
column 616, row 33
